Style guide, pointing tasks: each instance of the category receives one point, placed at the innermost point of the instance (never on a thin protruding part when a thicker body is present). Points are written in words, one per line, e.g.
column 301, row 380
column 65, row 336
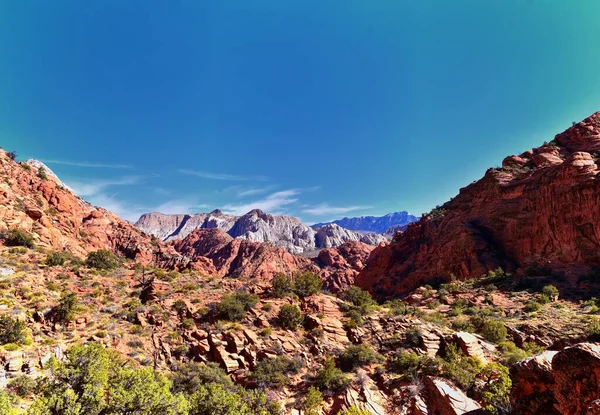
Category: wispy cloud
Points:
column 272, row 203
column 223, row 176
column 254, row 191
column 88, row 188
column 325, row 209
column 88, row 164
column 178, row 206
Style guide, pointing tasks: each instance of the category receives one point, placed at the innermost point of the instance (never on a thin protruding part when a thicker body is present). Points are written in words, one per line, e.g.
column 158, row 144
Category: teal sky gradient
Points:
column 318, row 109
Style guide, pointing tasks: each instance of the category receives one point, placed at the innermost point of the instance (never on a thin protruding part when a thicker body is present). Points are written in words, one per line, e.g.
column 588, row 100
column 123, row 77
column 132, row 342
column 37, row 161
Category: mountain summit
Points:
column 374, row 224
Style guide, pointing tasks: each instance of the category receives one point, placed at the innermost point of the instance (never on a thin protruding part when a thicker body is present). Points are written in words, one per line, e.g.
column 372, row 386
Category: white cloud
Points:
column 222, row 176
column 271, row 204
column 108, row 202
column 254, row 191
column 88, row 164
column 178, row 206
column 325, row 209
column 93, row 187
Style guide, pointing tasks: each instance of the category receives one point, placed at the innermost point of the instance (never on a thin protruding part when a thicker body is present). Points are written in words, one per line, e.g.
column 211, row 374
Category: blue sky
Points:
column 318, row 109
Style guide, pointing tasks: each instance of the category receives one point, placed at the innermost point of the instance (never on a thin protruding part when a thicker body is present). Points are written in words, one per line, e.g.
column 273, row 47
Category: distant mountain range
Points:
column 374, row 224
column 282, row 231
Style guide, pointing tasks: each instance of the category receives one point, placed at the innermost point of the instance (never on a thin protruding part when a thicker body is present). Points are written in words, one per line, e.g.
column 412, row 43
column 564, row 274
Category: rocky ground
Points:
column 436, row 352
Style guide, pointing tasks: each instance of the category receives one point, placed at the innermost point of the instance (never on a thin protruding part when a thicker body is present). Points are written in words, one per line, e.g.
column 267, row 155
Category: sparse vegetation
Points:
column 12, row 330
column 19, row 237
column 234, row 306
column 102, row 259
column 290, row 317
column 358, row 355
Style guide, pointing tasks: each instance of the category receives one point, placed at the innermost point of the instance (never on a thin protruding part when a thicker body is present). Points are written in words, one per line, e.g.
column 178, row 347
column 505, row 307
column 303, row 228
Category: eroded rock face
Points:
column 59, row 220
column 443, row 398
column 340, row 266
column 539, row 209
column 564, row 382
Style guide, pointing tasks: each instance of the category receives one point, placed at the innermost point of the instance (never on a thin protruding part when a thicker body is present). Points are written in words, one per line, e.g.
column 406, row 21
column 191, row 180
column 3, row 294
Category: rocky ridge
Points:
column 538, row 211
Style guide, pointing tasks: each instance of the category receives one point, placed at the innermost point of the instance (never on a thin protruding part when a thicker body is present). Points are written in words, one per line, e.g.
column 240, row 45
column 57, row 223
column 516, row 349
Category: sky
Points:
column 316, row 109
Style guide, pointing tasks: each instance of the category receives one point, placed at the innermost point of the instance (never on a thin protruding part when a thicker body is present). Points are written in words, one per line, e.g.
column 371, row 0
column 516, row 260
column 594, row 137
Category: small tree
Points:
column 66, row 308
column 19, row 237
column 102, row 259
column 307, row 284
column 282, row 286
column 358, row 355
column 494, row 331
column 312, row 401
column 12, row 155
column 290, row 317
column 551, row 291
column 54, row 259
column 12, row 330
column 330, row 378
column 233, row 307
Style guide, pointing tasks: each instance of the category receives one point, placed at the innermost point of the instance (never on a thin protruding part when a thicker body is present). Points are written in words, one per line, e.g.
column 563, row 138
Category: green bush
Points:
column 19, row 237
column 460, row 369
column 360, row 299
column 23, row 385
column 188, row 377
column 493, row 331
column 7, row 406
column 357, row 356
column 312, row 401
column 65, row 311
column 353, row 410
column 55, row 259
column 274, row 373
column 494, row 388
column 307, row 284
column 12, row 330
column 330, row 378
column 102, row 259
column 290, row 317
column 397, row 307
column 413, row 365
column 41, row 173
column 282, row 286
column 233, row 307
column 551, row 291
column 532, row 306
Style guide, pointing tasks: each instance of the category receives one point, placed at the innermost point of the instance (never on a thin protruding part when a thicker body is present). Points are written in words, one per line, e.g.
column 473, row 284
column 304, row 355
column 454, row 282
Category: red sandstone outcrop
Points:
column 540, row 208
column 340, row 266
column 59, row 220
column 564, row 382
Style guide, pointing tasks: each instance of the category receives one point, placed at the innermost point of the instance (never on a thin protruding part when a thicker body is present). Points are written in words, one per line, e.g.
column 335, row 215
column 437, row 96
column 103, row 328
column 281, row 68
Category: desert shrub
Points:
column 463, row 325
column 397, row 307
column 41, row 173
column 330, row 378
column 19, row 237
column 413, row 365
column 215, row 399
column 282, row 286
column 188, row 377
column 312, row 401
column 493, row 330
column 532, row 306
column 12, row 330
column 551, row 291
column 67, row 307
column 357, row 356
column 360, row 299
column 11, row 155
column 274, row 373
column 511, row 354
column 494, row 388
column 233, row 307
column 307, row 284
column 414, row 336
column 7, row 406
column 54, row 259
column 354, row 319
column 543, row 299
column 593, row 329
column 290, row 317
column 353, row 410
column 23, row 385
column 460, row 369
column 102, row 259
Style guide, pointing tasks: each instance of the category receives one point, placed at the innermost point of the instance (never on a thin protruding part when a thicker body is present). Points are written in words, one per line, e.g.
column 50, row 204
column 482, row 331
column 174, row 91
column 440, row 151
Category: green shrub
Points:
column 397, row 307
column 353, row 410
column 67, row 307
column 7, row 406
column 360, row 299
column 593, row 329
column 460, row 369
column 282, row 286
column 494, row 388
column 307, row 284
column 493, row 331
column 41, row 173
column 233, row 307
column 290, row 317
column 312, row 401
column 413, row 365
column 188, row 377
column 354, row 319
column 330, row 378
column 55, row 259
column 23, row 385
column 357, row 356
column 19, row 237
column 414, row 336
column 511, row 354
column 12, row 330
column 274, row 373
column 102, row 259
column 551, row 291
column 532, row 306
